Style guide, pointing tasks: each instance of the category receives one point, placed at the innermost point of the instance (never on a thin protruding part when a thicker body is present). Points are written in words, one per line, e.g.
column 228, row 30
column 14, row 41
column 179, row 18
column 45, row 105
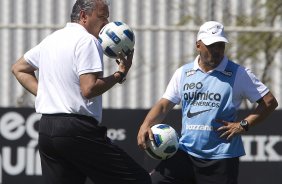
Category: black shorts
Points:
column 183, row 168
column 74, row 147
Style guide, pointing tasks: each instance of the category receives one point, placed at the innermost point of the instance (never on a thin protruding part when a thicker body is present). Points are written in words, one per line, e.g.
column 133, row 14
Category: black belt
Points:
column 80, row 116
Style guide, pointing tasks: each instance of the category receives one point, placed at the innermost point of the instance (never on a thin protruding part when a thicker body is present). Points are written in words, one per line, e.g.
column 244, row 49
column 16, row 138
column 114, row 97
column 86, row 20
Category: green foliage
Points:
column 252, row 45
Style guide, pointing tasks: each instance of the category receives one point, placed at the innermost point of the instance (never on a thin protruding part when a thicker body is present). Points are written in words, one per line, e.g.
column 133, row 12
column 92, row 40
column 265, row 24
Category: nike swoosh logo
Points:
column 192, row 114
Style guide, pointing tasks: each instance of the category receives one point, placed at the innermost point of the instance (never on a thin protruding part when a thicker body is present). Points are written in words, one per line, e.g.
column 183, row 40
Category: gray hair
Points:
column 83, row 5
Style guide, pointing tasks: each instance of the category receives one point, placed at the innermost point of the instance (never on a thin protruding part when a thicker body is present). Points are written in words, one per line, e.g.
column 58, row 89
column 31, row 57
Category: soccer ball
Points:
column 165, row 142
column 116, row 37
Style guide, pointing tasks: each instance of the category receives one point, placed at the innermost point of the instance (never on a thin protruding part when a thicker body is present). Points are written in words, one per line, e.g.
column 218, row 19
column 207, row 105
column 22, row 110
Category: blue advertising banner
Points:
column 20, row 161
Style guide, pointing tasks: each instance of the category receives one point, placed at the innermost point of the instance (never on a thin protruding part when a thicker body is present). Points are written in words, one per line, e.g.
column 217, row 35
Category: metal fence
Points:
column 165, row 33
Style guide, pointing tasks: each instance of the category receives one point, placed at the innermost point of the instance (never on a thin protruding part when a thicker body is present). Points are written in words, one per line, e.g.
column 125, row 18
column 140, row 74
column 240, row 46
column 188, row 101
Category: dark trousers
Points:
column 73, row 148
column 185, row 169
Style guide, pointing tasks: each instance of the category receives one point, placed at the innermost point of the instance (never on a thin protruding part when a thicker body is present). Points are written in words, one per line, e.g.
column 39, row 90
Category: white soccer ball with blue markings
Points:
column 165, row 144
column 116, row 37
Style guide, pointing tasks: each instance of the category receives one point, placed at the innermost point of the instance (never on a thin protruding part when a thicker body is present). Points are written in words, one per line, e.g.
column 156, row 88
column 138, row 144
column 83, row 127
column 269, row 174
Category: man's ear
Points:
column 82, row 16
column 198, row 45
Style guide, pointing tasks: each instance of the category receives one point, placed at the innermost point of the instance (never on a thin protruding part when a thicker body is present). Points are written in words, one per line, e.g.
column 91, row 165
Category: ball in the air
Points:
column 116, row 37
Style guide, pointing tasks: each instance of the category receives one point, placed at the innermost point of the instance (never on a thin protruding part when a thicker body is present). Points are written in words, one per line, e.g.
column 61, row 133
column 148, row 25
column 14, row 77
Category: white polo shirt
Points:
column 246, row 84
column 60, row 59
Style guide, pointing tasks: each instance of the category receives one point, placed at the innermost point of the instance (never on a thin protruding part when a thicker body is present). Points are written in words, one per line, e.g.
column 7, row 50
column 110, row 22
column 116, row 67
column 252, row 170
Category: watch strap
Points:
column 244, row 124
column 122, row 77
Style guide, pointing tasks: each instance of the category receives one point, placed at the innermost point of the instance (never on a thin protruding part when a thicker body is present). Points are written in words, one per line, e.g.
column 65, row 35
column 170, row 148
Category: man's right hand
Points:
column 144, row 134
column 125, row 63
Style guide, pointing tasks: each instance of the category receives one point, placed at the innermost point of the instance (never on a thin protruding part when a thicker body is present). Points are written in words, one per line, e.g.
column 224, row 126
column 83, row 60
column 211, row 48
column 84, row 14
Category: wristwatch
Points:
column 244, row 124
column 122, row 76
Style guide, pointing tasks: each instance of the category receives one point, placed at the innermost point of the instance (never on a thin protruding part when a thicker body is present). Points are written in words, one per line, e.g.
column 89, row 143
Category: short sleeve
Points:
column 172, row 92
column 88, row 56
column 249, row 86
column 33, row 56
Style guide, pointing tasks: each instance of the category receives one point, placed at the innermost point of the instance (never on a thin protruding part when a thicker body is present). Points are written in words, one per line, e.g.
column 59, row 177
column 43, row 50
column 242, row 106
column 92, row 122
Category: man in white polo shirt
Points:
column 210, row 90
column 68, row 92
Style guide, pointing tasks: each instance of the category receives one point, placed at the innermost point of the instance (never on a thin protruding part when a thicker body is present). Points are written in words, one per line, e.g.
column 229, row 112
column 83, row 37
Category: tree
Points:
column 253, row 45
column 260, row 46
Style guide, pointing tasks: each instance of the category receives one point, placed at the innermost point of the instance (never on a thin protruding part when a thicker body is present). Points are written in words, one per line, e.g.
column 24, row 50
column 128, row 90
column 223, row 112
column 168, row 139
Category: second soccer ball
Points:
column 165, row 142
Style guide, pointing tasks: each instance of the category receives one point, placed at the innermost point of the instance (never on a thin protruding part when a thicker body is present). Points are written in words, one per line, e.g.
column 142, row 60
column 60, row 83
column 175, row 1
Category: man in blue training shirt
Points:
column 210, row 89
